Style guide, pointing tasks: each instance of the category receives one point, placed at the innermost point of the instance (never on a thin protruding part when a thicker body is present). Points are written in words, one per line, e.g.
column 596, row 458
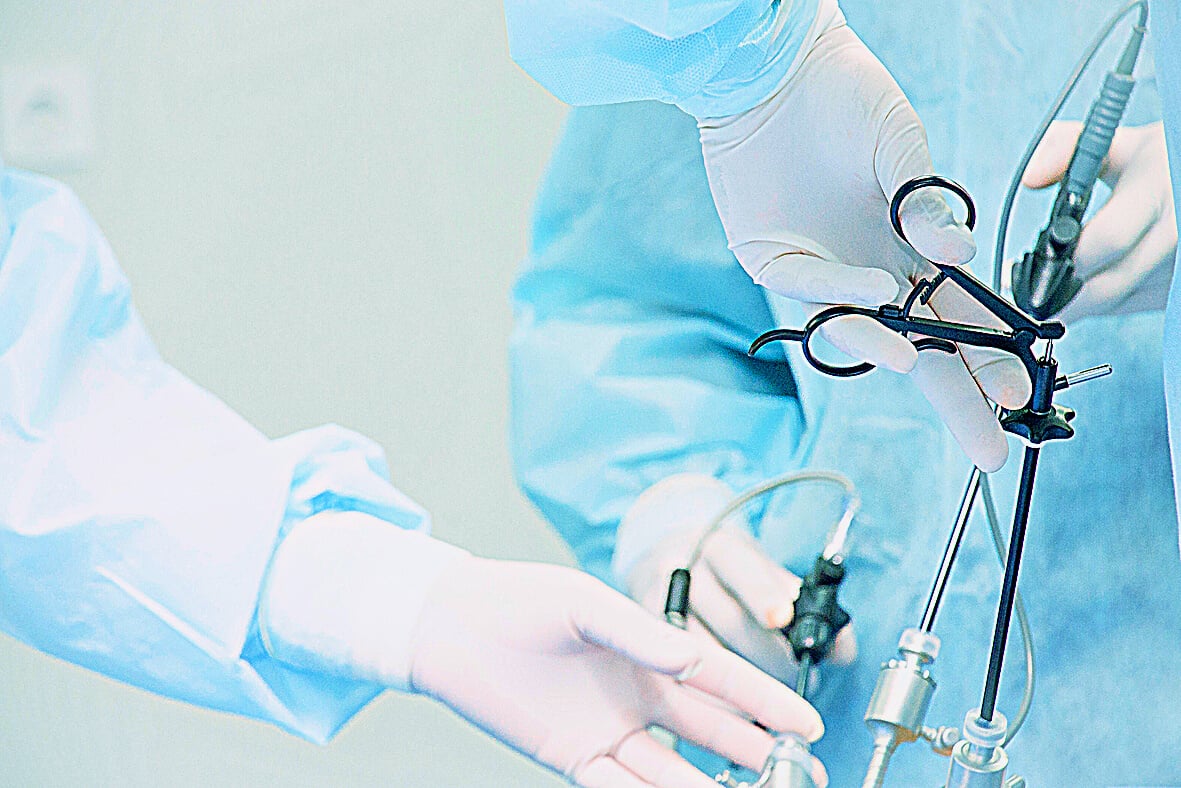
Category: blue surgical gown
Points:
column 710, row 57
column 1166, row 28
column 138, row 513
column 629, row 365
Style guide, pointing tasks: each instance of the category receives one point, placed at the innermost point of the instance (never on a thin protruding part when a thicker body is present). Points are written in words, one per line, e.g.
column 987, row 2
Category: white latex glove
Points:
column 737, row 594
column 1127, row 250
column 803, row 183
column 546, row 659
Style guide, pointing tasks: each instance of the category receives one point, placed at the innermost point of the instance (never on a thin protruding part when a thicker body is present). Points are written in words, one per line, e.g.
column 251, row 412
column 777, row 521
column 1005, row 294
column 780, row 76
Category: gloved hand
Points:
column 1127, row 250
column 803, row 182
column 546, row 659
column 737, row 594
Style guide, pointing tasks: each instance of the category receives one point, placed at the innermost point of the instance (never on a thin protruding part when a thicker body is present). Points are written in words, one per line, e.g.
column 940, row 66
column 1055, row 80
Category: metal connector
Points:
column 941, row 739
column 1082, row 376
column 789, row 766
column 898, row 708
column 978, row 760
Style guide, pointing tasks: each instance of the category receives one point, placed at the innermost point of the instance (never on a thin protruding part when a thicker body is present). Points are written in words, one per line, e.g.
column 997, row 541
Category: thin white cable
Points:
column 840, row 528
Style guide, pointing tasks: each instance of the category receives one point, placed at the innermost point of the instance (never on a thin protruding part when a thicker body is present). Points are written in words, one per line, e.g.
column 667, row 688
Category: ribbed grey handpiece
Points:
column 1102, row 121
column 1104, row 118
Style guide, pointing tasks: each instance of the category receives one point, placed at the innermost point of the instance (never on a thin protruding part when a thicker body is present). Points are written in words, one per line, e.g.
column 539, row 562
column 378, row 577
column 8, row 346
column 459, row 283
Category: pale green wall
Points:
column 320, row 206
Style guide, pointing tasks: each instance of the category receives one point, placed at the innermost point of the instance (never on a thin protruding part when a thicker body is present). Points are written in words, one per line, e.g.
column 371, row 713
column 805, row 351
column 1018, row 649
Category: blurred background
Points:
column 320, row 207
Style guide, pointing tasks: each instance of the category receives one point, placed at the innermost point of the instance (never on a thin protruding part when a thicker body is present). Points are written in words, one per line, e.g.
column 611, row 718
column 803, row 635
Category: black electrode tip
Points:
column 676, row 606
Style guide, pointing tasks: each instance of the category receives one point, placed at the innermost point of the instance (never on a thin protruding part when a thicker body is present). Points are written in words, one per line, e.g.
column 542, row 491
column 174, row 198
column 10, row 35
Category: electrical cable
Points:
column 840, row 528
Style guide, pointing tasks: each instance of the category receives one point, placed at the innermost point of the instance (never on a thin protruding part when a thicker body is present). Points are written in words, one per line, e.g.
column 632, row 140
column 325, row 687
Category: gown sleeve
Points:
column 710, row 57
column 138, row 513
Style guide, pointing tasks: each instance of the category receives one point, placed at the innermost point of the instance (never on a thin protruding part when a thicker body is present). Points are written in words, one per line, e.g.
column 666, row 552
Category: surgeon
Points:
column 637, row 414
column 149, row 533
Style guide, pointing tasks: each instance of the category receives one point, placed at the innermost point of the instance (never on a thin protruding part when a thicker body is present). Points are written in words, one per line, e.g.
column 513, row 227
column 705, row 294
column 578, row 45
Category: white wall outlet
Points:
column 47, row 116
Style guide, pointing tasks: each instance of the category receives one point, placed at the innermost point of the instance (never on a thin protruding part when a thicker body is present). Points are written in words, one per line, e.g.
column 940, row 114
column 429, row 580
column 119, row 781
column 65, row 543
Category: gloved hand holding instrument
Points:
column 802, row 183
column 709, row 573
column 1123, row 256
column 1121, row 259
column 740, row 597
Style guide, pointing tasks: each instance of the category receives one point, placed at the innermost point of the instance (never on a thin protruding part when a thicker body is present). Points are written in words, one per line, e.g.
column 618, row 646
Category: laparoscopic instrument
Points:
column 905, row 684
column 1044, row 282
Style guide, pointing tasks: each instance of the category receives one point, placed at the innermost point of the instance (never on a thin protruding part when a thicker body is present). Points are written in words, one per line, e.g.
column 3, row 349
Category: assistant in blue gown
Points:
column 629, row 366
column 138, row 513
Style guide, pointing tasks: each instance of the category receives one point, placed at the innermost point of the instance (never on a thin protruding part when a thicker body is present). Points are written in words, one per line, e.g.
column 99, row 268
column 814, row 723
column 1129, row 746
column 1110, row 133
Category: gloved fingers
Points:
column 702, row 632
column 659, row 766
column 716, row 729
column 1052, row 157
column 755, row 694
column 726, row 735
column 722, row 615
column 606, row 772
column 700, row 629
column 844, row 647
column 865, row 339
column 819, row 773
column 766, row 591
column 1116, row 229
column 804, row 276
column 945, row 382
column 928, row 221
column 606, row 618
column 1000, row 376
column 654, row 596
column 1139, row 283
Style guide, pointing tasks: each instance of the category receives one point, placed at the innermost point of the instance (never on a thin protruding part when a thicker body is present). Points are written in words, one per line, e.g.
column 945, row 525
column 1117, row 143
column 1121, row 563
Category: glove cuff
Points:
column 344, row 595
column 766, row 59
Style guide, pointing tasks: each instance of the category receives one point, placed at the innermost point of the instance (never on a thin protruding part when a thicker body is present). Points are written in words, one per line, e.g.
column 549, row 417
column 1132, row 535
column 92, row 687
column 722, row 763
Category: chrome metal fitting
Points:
column 904, row 688
column 978, row 760
column 901, row 698
column 789, row 766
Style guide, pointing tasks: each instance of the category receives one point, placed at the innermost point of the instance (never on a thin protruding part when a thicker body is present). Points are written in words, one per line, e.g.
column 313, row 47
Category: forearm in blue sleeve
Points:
column 628, row 357
column 710, row 57
column 138, row 513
